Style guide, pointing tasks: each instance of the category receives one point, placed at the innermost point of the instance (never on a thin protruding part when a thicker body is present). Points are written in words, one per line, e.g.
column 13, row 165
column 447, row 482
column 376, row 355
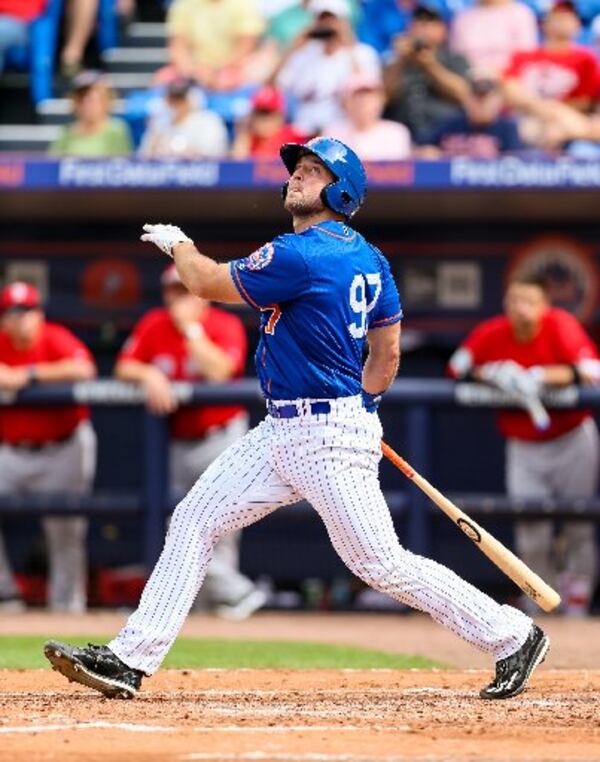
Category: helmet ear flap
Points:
column 339, row 200
column 284, row 190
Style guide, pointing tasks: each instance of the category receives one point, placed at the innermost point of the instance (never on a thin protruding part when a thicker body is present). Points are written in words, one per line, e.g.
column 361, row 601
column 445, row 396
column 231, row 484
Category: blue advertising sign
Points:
column 18, row 173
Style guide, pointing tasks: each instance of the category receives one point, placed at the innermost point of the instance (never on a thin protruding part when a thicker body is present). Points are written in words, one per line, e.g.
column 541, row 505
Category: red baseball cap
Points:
column 19, row 294
column 268, row 98
column 567, row 6
column 170, row 277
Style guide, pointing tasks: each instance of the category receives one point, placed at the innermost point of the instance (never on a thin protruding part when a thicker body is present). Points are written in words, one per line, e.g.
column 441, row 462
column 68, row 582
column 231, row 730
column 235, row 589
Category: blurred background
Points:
column 478, row 122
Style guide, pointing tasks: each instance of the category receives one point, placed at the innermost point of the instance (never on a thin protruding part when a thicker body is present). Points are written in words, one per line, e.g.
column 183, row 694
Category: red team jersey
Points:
column 22, row 9
column 157, row 341
column 560, row 75
column 42, row 424
column 560, row 340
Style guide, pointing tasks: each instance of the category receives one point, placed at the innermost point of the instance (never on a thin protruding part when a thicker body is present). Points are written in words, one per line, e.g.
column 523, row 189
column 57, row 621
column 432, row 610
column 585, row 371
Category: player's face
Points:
column 172, row 293
column 183, row 306
column 524, row 305
column 304, row 188
column 23, row 325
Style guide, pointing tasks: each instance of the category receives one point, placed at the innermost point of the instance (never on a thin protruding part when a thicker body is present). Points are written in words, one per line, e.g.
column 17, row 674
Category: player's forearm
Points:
column 211, row 361
column 559, row 375
column 134, row 371
column 64, row 370
column 381, row 366
column 203, row 276
column 550, row 375
column 378, row 373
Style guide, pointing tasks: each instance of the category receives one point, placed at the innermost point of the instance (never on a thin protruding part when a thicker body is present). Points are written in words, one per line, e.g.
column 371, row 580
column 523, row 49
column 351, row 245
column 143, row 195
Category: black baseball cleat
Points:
column 96, row 667
column 513, row 673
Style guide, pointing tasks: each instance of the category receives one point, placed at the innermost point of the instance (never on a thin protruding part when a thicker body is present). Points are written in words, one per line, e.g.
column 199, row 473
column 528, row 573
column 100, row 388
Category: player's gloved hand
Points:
column 512, row 378
column 164, row 236
column 588, row 371
column 371, row 401
column 523, row 383
column 530, row 381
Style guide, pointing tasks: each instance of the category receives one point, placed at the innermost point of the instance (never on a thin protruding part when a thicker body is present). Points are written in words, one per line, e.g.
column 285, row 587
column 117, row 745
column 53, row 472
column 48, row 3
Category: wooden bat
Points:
column 529, row 582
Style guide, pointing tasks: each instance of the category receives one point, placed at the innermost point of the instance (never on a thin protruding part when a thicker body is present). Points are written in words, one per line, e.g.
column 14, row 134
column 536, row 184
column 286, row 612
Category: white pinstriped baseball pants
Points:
column 331, row 461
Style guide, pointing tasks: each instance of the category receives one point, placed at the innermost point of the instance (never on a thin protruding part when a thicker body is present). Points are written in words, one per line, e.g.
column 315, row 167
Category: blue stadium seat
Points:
column 107, row 24
column 38, row 56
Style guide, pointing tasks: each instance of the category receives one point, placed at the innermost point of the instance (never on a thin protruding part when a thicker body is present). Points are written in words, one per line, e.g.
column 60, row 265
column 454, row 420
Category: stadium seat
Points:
column 108, row 31
column 38, row 56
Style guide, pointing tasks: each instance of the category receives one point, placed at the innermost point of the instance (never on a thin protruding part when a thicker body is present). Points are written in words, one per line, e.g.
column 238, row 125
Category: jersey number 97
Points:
column 360, row 304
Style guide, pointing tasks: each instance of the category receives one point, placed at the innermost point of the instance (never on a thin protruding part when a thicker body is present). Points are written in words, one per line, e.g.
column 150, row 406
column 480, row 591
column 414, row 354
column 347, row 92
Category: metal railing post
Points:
column 156, row 453
column 418, row 454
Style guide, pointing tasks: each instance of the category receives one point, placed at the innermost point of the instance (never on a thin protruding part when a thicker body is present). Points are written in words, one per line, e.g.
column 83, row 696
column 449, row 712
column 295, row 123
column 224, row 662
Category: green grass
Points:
column 25, row 652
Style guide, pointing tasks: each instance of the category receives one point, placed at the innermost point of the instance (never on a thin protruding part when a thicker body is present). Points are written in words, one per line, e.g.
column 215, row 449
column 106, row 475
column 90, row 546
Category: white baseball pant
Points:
column 331, row 460
column 65, row 468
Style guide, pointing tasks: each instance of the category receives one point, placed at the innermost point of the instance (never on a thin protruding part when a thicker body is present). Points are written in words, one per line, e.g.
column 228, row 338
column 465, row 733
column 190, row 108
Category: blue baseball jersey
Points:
column 319, row 292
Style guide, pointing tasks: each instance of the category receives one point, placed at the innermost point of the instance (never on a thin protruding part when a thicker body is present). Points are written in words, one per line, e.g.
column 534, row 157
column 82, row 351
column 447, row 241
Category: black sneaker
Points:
column 96, row 667
column 513, row 673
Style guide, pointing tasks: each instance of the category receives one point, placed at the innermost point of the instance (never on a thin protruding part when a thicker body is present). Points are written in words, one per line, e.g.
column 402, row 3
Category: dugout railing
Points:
column 419, row 398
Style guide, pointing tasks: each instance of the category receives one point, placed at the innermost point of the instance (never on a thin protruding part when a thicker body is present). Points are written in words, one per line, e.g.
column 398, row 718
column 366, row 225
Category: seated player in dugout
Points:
column 325, row 294
column 190, row 340
column 535, row 346
column 45, row 450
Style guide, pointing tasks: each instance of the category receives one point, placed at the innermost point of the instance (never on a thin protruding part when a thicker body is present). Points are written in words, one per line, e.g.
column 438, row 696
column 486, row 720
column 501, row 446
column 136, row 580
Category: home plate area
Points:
column 301, row 716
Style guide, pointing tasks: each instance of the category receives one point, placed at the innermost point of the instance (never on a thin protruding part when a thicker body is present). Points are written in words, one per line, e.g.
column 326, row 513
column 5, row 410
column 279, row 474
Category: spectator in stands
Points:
column 286, row 21
column 482, row 131
column 81, row 18
column 558, row 69
column 320, row 63
column 185, row 131
column 489, row 33
column 15, row 17
column 531, row 348
column 190, row 340
column 93, row 132
column 45, row 450
column 425, row 81
column 373, row 138
column 265, row 130
column 214, row 42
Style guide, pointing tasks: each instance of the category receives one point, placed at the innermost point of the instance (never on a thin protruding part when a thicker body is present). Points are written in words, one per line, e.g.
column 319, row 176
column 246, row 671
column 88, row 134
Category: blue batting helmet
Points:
column 347, row 192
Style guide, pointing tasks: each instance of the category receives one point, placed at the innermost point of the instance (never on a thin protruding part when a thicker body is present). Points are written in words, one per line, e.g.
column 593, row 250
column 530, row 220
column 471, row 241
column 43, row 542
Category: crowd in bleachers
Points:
column 392, row 78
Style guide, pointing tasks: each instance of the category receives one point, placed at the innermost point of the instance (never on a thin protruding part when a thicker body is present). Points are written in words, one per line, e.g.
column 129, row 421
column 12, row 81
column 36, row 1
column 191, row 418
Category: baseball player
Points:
column 528, row 348
column 45, row 449
column 187, row 340
column 325, row 294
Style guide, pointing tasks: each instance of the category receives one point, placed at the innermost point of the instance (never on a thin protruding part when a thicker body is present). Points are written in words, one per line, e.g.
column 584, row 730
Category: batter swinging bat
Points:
column 513, row 567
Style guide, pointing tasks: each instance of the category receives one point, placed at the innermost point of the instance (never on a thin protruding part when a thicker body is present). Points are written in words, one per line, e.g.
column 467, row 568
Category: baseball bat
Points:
column 529, row 582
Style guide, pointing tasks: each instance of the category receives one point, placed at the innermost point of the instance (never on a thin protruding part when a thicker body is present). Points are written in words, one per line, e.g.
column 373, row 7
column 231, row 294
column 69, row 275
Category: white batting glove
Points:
column 523, row 383
column 503, row 374
column 164, row 236
column 512, row 378
column 589, row 371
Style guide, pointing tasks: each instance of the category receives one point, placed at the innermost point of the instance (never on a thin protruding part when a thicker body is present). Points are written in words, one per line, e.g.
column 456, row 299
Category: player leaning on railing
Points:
column 323, row 292
column 533, row 347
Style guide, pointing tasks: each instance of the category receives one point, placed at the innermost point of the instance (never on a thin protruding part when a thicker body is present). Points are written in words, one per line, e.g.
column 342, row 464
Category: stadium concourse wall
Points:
column 454, row 232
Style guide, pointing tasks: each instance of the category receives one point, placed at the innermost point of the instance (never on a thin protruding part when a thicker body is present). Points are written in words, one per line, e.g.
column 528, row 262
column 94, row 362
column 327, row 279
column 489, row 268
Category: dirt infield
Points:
column 310, row 716
column 303, row 716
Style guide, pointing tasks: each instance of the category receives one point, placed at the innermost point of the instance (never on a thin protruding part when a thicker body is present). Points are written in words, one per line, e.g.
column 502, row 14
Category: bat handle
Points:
column 399, row 462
